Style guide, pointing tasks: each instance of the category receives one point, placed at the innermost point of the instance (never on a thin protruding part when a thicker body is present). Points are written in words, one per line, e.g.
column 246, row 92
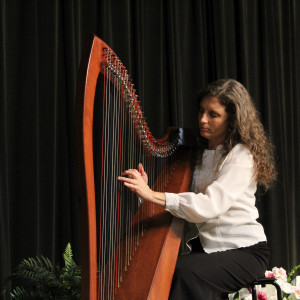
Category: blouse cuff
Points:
column 172, row 202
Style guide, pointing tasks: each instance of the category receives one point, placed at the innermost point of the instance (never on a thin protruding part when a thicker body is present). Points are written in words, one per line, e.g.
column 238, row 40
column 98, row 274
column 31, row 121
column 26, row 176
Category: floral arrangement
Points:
column 290, row 287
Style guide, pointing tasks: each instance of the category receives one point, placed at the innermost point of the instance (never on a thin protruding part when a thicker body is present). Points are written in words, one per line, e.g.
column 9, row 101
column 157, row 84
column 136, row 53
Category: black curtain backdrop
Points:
column 171, row 49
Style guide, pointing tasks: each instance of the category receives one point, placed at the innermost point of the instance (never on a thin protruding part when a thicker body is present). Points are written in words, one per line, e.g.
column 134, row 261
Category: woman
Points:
column 225, row 244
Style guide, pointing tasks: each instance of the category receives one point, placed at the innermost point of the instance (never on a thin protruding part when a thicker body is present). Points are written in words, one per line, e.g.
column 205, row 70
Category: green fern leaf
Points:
column 44, row 281
column 68, row 258
column 39, row 271
column 21, row 293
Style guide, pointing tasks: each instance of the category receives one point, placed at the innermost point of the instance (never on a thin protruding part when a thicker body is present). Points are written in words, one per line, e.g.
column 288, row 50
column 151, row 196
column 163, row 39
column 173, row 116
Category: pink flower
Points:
column 262, row 296
column 269, row 274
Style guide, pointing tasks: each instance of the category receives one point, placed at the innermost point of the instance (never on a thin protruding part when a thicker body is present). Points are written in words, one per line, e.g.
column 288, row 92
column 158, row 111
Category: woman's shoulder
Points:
column 239, row 154
column 241, row 148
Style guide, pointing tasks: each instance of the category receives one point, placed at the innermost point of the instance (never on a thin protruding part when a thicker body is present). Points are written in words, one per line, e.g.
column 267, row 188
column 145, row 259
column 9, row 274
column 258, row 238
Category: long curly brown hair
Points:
column 244, row 126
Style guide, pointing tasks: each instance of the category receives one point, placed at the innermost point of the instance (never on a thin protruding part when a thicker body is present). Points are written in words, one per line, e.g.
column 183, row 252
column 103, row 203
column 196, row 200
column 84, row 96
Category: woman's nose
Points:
column 202, row 118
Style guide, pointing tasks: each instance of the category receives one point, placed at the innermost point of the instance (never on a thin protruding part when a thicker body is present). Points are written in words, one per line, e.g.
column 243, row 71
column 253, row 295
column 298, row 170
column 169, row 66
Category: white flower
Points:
column 271, row 292
column 279, row 273
column 285, row 286
column 296, row 294
column 291, row 289
column 244, row 293
column 249, row 297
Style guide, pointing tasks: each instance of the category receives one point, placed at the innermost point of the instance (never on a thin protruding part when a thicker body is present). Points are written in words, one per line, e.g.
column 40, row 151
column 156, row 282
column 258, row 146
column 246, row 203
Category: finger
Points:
column 126, row 179
column 130, row 171
column 141, row 168
column 130, row 186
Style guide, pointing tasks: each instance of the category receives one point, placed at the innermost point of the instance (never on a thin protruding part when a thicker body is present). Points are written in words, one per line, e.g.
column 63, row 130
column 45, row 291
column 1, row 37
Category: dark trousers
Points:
column 199, row 275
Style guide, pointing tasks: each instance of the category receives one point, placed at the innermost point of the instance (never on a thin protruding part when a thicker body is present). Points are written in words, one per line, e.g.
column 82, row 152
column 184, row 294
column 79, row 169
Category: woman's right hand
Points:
column 137, row 181
column 143, row 173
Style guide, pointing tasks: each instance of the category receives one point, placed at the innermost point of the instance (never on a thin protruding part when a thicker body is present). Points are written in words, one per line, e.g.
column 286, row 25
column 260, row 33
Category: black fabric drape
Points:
column 171, row 48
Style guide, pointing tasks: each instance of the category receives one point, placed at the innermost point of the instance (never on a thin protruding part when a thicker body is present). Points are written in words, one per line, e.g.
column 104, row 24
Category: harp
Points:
column 128, row 248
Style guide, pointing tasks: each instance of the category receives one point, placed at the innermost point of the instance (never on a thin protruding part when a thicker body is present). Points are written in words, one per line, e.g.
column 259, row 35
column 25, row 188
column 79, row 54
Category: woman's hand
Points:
column 143, row 173
column 136, row 181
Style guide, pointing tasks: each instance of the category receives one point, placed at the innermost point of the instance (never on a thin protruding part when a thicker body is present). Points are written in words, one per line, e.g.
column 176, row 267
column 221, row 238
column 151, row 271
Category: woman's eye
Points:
column 213, row 114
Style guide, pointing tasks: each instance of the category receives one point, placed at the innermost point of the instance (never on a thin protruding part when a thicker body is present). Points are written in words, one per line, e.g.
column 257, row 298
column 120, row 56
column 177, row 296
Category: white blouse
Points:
column 221, row 209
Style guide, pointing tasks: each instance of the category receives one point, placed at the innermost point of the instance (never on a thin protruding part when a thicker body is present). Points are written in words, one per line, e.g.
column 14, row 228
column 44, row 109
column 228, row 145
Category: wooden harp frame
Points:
column 149, row 275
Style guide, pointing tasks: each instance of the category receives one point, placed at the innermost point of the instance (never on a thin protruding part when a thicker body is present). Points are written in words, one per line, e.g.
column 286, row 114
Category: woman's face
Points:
column 212, row 118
